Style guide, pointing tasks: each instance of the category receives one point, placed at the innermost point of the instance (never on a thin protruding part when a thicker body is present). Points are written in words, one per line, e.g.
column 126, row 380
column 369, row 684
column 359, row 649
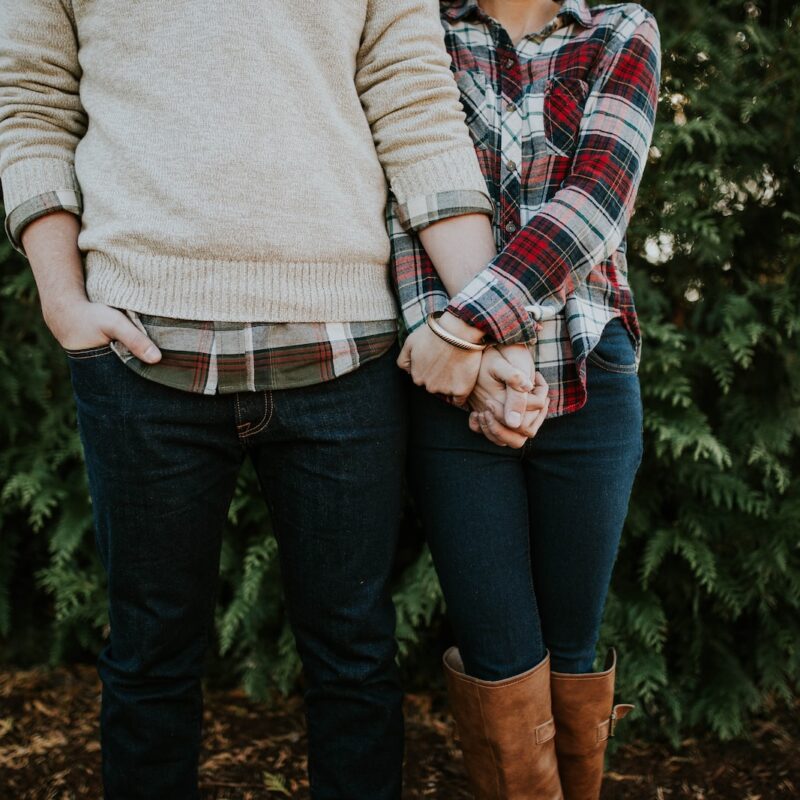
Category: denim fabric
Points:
column 162, row 466
column 524, row 541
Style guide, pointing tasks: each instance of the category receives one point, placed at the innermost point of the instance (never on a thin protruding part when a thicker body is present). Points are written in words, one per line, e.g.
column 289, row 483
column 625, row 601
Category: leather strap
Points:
column 605, row 729
column 546, row 731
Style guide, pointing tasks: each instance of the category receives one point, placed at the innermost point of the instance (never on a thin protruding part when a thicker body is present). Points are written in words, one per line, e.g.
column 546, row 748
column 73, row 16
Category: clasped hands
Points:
column 507, row 398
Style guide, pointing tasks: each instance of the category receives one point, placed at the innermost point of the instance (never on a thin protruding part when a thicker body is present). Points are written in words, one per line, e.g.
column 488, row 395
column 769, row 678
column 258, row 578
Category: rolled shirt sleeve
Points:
column 424, row 210
column 40, row 206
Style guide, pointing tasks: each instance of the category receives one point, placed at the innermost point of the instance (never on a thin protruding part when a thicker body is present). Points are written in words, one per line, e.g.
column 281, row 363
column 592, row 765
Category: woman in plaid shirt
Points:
column 524, row 523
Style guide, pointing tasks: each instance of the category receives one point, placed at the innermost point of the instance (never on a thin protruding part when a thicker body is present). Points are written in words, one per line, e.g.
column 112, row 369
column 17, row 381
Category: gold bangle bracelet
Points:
column 455, row 341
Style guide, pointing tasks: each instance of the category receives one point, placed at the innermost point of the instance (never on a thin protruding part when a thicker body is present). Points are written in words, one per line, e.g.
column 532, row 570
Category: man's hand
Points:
column 438, row 366
column 80, row 324
column 51, row 243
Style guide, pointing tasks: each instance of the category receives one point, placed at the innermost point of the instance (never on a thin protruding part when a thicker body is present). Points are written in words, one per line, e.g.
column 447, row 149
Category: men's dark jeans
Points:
column 162, row 466
column 524, row 541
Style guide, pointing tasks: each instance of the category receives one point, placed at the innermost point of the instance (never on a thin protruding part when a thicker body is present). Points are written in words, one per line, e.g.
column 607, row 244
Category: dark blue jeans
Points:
column 524, row 541
column 162, row 466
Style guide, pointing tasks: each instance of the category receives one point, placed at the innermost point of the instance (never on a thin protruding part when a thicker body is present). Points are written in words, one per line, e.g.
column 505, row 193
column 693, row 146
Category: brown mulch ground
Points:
column 49, row 750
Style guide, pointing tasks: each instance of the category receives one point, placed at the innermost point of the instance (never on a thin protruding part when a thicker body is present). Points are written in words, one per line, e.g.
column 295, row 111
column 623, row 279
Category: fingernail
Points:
column 151, row 354
column 514, row 419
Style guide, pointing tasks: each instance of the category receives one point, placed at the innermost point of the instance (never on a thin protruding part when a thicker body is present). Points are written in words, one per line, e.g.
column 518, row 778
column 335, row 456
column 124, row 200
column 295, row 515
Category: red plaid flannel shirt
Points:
column 562, row 124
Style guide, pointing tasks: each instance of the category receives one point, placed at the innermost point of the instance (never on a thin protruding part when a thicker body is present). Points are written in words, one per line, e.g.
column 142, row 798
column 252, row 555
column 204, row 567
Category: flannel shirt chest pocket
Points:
column 554, row 110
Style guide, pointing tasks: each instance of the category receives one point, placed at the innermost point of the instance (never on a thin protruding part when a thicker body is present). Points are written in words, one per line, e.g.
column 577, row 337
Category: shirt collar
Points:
column 578, row 10
column 456, row 10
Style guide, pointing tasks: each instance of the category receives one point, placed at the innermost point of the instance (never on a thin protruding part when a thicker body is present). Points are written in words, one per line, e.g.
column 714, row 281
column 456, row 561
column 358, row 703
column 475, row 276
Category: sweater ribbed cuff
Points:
column 31, row 177
column 453, row 171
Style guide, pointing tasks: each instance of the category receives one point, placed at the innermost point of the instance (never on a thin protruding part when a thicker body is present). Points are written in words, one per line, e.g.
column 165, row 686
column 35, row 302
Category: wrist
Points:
column 452, row 339
column 452, row 324
column 55, row 307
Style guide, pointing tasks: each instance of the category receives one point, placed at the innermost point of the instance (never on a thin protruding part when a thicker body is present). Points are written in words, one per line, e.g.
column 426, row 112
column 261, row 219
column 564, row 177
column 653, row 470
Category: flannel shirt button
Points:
column 510, row 227
column 508, row 63
column 535, row 311
column 510, row 107
column 512, row 165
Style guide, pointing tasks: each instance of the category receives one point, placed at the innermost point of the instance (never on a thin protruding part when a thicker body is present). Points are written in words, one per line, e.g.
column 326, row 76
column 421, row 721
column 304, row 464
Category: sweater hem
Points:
column 240, row 291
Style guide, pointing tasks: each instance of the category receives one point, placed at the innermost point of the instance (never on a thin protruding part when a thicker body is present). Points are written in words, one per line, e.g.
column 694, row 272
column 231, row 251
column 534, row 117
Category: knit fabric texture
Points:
column 232, row 160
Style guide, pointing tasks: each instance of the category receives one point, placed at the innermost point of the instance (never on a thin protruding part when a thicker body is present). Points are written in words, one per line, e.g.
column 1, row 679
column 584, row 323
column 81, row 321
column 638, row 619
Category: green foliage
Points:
column 705, row 604
column 705, row 600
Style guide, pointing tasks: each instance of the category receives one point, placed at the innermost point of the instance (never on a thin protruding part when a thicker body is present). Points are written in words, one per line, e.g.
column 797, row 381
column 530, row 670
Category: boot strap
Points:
column 605, row 729
column 546, row 731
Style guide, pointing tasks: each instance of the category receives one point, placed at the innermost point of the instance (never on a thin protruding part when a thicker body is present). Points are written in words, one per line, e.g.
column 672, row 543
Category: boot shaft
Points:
column 585, row 717
column 507, row 732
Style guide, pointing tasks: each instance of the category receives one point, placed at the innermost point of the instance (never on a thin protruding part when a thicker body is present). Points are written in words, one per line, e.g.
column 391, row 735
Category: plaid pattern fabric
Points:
column 562, row 124
column 22, row 215
column 223, row 357
column 419, row 212
column 220, row 357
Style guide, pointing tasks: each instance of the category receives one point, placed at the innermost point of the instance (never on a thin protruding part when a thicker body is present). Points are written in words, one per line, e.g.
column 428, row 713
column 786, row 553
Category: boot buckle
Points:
column 617, row 713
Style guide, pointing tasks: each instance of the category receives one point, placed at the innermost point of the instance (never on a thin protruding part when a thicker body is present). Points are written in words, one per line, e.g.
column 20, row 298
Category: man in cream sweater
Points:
column 200, row 191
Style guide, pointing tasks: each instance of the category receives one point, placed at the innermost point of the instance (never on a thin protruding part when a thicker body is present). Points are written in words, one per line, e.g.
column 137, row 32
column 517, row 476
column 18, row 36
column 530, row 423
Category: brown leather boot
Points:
column 585, row 717
column 506, row 731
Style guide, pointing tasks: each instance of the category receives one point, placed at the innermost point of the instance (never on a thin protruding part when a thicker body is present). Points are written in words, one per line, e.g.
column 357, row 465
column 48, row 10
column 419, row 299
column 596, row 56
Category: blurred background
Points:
column 705, row 608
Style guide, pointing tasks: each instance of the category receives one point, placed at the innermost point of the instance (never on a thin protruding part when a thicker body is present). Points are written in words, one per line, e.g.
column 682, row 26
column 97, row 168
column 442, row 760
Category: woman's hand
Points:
column 510, row 401
column 504, row 380
column 438, row 366
column 486, row 421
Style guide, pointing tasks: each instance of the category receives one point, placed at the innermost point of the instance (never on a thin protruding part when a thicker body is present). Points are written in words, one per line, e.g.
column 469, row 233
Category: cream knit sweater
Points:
column 232, row 156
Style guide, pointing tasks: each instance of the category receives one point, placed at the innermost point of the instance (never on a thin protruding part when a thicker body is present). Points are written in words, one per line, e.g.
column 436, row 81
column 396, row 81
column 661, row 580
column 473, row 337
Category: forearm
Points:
column 459, row 248
column 51, row 244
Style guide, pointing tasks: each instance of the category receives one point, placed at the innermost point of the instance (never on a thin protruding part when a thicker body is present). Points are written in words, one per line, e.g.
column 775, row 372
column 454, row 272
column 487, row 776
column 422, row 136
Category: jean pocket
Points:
column 89, row 352
column 564, row 100
column 615, row 351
